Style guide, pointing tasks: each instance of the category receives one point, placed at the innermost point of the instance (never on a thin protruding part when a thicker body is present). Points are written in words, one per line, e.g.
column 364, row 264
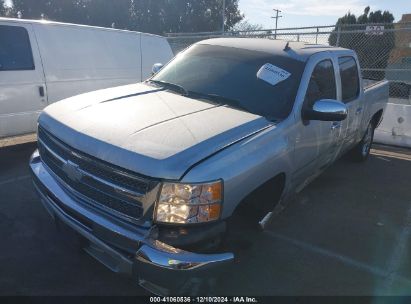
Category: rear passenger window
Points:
column 15, row 49
column 350, row 82
column 322, row 83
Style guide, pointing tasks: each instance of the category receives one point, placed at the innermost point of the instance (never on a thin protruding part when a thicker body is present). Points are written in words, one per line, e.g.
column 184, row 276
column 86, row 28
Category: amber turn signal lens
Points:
column 215, row 190
column 214, row 211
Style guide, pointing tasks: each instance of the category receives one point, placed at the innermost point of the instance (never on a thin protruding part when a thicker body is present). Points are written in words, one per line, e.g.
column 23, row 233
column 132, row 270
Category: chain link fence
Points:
column 384, row 50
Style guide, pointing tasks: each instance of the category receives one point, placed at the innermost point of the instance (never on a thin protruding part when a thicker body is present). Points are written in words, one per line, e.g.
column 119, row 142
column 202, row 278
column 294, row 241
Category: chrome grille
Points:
column 94, row 181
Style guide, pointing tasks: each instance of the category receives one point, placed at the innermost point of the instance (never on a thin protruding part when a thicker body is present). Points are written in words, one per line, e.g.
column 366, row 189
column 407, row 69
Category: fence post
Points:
column 338, row 36
column 316, row 36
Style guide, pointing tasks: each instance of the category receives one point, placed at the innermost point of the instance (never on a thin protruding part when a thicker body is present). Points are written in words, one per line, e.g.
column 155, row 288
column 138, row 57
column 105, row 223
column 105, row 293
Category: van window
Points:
column 322, row 84
column 15, row 49
column 350, row 82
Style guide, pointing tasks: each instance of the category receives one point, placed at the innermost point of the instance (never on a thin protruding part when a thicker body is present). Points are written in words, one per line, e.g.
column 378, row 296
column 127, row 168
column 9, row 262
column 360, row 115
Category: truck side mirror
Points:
column 326, row 110
column 156, row 67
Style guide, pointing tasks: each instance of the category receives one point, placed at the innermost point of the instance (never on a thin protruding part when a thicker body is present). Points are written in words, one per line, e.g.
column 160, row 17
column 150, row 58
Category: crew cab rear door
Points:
column 350, row 94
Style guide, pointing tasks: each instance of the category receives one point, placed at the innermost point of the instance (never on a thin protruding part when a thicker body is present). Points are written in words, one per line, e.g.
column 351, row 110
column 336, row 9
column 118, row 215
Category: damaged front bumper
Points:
column 122, row 247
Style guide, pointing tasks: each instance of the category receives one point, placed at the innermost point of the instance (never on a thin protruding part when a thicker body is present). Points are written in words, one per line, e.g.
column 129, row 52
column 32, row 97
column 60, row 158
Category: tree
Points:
column 74, row 11
column 232, row 13
column 372, row 49
column 246, row 26
column 153, row 16
column 183, row 16
column 2, row 8
column 30, row 8
column 108, row 13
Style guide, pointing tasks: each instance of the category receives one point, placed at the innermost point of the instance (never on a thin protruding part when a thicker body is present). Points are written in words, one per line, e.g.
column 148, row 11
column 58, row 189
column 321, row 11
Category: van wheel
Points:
column 361, row 151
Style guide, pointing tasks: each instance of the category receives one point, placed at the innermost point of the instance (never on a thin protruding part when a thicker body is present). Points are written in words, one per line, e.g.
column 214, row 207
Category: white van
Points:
column 42, row 62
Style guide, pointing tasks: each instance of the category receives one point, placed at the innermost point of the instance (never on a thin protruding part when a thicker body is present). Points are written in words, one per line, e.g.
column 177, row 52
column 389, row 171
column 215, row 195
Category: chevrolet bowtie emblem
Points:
column 72, row 171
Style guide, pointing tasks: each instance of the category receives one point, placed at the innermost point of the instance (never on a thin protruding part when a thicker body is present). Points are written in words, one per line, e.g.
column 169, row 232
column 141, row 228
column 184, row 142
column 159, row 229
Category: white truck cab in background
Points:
column 42, row 62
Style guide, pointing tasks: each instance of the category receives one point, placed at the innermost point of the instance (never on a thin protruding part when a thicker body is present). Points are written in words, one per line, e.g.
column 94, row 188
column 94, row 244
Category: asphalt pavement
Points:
column 347, row 233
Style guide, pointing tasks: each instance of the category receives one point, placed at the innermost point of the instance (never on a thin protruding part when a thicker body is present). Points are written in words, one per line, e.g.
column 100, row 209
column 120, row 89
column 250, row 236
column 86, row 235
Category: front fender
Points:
column 247, row 165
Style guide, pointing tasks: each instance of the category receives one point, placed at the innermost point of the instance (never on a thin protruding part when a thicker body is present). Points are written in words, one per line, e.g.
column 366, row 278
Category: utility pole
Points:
column 276, row 17
column 223, row 13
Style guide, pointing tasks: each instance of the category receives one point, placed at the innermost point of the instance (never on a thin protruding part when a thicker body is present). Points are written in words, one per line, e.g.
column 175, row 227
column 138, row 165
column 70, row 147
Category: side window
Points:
column 350, row 83
column 322, row 84
column 15, row 49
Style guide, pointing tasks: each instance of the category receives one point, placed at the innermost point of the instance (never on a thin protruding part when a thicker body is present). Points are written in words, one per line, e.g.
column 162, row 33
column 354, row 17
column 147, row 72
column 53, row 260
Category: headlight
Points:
column 189, row 203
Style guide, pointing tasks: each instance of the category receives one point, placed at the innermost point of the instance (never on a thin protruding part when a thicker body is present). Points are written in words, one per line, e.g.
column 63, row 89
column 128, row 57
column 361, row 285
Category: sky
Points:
column 297, row 13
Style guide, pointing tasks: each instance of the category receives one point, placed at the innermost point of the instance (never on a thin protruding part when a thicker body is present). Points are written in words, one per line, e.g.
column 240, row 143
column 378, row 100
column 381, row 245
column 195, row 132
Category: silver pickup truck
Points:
column 151, row 174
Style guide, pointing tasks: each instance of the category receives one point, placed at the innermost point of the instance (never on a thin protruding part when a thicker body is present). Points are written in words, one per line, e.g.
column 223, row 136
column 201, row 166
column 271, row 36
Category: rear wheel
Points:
column 361, row 152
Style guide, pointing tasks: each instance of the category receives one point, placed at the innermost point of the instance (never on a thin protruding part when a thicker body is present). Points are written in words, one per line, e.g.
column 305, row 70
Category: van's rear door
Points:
column 79, row 59
column 22, row 85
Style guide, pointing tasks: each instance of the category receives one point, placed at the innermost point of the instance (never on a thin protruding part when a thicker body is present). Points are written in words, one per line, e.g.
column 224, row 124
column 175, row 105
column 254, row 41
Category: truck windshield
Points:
column 257, row 82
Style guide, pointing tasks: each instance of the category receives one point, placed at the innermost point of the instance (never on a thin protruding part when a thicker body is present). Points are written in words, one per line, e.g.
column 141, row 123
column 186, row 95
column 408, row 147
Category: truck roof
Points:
column 48, row 22
column 297, row 50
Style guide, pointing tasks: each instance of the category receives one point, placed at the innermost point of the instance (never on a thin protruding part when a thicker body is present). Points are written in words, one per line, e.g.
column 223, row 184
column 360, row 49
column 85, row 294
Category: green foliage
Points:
column 153, row 16
column 2, row 9
column 373, row 50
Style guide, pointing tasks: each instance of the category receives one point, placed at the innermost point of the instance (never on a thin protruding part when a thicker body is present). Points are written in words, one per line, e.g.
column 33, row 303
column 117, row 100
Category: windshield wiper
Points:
column 221, row 100
column 172, row 86
column 218, row 99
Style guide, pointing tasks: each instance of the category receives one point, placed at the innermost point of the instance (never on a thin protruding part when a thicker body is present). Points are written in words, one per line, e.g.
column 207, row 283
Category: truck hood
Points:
column 147, row 129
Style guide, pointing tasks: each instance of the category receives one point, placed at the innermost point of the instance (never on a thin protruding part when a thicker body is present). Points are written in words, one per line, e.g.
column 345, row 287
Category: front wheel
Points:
column 361, row 151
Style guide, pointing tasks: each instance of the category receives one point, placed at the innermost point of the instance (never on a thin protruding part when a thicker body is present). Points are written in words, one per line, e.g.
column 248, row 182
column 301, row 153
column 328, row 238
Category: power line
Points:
column 276, row 17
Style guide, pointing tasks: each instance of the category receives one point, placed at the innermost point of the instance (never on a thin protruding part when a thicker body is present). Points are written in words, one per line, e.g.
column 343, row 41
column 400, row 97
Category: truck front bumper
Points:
column 125, row 248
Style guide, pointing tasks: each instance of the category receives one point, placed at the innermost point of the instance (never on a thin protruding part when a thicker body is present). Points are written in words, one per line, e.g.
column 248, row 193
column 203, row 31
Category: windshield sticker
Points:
column 272, row 74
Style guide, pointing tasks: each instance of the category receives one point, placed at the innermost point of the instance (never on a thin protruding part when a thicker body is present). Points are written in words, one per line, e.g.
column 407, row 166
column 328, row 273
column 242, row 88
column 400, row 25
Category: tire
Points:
column 243, row 226
column 361, row 151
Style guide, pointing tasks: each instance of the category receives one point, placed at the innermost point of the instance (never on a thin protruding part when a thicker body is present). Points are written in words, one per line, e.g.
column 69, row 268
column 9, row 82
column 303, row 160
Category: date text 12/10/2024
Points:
column 203, row 300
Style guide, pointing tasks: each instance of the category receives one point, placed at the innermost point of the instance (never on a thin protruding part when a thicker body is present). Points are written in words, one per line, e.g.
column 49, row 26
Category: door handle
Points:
column 41, row 91
column 359, row 110
column 336, row 125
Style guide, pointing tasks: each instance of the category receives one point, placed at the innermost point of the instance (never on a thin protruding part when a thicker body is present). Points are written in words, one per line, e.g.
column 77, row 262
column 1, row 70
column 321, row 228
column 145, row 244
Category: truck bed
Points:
column 375, row 98
column 369, row 83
